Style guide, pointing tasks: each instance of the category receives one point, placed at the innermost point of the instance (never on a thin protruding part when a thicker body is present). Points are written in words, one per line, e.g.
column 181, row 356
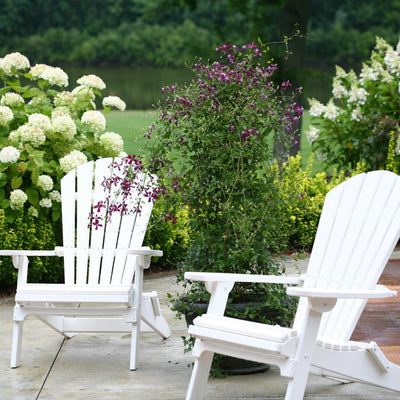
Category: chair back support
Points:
column 357, row 232
column 106, row 262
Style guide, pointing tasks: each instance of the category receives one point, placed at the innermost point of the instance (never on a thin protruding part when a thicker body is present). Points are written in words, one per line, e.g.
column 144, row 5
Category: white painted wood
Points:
column 358, row 230
column 103, row 269
column 68, row 225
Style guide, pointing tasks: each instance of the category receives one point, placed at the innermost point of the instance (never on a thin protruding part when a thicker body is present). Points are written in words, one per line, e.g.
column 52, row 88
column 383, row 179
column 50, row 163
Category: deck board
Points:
column 380, row 321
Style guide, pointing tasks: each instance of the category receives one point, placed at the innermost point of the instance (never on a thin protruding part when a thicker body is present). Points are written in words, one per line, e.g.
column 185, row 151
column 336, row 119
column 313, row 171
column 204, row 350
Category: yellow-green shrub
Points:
column 169, row 235
column 27, row 232
column 302, row 196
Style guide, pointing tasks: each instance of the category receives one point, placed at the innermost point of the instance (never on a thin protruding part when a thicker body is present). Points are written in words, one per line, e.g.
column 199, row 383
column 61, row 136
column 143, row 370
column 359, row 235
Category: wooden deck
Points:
column 380, row 320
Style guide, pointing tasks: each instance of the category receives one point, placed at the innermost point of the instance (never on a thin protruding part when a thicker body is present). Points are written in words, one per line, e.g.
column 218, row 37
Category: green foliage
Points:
column 212, row 148
column 172, row 237
column 169, row 32
column 28, row 232
column 344, row 32
column 45, row 132
column 302, row 195
column 357, row 123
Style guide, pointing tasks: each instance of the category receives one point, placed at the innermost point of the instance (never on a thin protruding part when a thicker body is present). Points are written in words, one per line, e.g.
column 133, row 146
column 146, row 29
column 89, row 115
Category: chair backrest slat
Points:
column 358, row 230
column 68, row 207
column 84, row 206
column 139, row 231
column 106, row 262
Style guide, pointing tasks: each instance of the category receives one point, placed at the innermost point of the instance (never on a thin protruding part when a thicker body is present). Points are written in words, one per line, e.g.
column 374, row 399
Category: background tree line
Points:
column 171, row 32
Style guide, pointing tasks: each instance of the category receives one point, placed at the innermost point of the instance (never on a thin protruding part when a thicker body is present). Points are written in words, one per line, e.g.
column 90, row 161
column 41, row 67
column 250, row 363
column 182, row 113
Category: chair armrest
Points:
column 20, row 260
column 144, row 251
column 220, row 285
column 380, row 292
column 29, row 253
column 244, row 278
column 145, row 254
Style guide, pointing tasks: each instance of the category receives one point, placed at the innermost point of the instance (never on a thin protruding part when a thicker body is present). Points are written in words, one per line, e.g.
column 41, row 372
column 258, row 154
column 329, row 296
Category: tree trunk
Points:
column 295, row 16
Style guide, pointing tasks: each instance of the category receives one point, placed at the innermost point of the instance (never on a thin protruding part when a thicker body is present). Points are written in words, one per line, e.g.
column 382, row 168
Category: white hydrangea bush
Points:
column 357, row 123
column 47, row 130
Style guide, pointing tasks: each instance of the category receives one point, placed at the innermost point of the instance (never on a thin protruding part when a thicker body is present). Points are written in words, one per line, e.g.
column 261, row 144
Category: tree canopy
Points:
column 172, row 32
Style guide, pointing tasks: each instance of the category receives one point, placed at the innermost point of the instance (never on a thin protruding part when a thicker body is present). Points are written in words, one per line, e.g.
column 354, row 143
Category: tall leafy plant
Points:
column 213, row 148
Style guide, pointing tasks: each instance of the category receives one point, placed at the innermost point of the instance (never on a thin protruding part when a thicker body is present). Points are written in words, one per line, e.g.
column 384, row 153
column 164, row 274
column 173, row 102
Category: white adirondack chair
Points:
column 358, row 230
column 103, row 270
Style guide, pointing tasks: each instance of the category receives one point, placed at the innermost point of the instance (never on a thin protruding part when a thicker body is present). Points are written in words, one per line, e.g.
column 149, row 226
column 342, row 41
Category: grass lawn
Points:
column 132, row 125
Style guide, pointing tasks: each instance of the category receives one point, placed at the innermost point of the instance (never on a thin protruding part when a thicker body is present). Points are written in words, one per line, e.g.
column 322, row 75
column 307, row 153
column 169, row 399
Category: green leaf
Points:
column 3, row 179
column 56, row 215
column 5, row 203
column 33, row 196
column 31, row 92
column 4, row 90
column 16, row 182
column 43, row 84
column 10, row 216
column 22, row 166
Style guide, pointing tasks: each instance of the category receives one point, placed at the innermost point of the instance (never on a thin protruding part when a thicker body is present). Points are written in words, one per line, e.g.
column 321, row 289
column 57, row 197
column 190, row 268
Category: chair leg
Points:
column 152, row 316
column 198, row 381
column 134, row 345
column 16, row 344
column 297, row 387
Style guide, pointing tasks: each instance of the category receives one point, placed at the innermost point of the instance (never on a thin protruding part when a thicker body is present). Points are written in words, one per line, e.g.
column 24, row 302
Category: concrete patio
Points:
column 95, row 366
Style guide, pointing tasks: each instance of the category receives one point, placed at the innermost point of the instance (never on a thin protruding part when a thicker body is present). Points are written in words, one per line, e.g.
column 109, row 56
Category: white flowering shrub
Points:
column 45, row 131
column 357, row 123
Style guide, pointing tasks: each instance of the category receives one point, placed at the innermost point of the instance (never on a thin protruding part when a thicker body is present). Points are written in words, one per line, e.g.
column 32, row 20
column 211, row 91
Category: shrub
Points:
column 212, row 149
column 302, row 195
column 170, row 236
column 28, row 232
column 357, row 122
column 45, row 132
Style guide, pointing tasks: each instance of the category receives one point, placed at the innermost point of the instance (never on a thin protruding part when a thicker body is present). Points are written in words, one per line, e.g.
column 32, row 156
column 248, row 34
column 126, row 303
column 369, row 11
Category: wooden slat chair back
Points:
column 107, row 262
column 358, row 230
column 103, row 264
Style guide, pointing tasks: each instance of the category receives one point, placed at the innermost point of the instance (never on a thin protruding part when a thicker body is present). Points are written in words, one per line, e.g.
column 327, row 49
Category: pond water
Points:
column 140, row 88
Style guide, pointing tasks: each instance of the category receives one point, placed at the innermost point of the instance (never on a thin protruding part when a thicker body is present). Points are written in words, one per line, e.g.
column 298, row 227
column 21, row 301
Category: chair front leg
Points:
column 200, row 373
column 16, row 344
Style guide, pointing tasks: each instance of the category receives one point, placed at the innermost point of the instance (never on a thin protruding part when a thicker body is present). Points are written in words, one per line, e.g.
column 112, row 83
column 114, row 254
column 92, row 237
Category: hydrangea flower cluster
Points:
column 95, row 120
column 114, row 101
column 45, row 182
column 364, row 113
column 11, row 99
column 9, row 154
column 92, row 81
column 112, row 143
column 6, row 115
column 46, row 131
column 55, row 76
column 64, row 126
column 72, row 160
column 17, row 199
column 14, row 62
